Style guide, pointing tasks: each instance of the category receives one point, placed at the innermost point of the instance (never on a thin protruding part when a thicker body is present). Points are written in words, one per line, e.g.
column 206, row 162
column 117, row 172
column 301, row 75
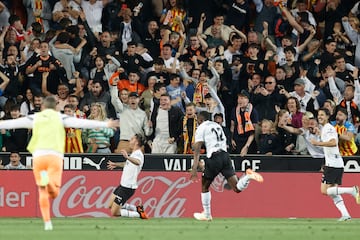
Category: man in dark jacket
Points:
column 167, row 126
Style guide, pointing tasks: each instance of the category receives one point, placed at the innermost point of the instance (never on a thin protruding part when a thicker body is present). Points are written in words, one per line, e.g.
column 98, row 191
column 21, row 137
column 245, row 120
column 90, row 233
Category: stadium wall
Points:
column 170, row 194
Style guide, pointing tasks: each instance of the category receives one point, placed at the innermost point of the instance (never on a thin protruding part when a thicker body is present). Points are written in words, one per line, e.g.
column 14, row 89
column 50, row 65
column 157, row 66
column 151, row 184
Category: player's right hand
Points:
column 193, row 175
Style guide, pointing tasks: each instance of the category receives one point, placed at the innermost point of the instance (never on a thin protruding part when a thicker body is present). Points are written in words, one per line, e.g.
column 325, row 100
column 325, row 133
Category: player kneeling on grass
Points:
column 213, row 137
column 128, row 184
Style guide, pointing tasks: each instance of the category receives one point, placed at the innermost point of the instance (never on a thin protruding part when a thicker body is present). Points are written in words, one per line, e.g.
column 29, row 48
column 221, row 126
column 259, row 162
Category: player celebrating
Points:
column 128, row 184
column 211, row 134
column 334, row 166
column 47, row 146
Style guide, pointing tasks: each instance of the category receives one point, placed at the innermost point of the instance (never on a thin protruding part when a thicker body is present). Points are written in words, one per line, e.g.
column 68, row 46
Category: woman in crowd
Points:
column 98, row 139
column 287, row 139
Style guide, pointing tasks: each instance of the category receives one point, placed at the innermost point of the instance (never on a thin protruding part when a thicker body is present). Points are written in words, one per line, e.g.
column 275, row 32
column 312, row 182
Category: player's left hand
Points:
column 111, row 165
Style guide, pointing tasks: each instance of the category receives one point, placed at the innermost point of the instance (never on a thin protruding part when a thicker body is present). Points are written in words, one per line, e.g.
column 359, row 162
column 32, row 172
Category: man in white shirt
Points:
column 168, row 59
column 334, row 166
column 128, row 184
column 218, row 161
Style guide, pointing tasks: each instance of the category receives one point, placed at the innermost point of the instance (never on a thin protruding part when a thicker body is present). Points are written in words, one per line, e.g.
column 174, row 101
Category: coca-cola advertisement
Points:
column 172, row 195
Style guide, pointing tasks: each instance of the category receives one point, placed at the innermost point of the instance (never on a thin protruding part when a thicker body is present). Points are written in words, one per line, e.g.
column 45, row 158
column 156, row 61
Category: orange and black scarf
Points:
column 248, row 124
column 187, row 141
column 355, row 114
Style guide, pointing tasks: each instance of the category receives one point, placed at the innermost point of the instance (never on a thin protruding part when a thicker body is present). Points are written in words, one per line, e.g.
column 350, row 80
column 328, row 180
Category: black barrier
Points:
column 179, row 162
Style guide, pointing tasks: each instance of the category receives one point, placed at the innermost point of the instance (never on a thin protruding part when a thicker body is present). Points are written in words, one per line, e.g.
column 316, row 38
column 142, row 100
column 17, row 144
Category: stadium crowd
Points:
column 262, row 68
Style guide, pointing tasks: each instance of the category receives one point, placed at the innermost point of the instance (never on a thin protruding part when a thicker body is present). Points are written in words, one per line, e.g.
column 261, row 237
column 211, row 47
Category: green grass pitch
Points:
column 179, row 228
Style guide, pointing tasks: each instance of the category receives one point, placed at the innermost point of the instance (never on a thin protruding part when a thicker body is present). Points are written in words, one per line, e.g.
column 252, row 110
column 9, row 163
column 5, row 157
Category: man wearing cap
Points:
column 243, row 120
column 307, row 102
column 346, row 132
column 133, row 119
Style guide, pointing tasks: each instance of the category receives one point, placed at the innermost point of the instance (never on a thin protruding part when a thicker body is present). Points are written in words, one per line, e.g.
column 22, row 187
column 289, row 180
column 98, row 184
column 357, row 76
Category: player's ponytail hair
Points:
column 140, row 139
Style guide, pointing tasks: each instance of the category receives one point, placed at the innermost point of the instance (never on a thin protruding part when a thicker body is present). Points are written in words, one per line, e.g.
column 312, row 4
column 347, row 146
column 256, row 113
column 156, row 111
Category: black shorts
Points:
column 123, row 194
column 332, row 175
column 219, row 162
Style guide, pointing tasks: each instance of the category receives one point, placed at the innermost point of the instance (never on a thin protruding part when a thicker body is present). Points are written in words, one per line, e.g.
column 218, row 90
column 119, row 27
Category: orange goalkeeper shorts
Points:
column 52, row 164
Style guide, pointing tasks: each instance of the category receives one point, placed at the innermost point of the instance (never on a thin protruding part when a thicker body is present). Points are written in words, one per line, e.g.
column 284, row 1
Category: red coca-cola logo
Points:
column 161, row 197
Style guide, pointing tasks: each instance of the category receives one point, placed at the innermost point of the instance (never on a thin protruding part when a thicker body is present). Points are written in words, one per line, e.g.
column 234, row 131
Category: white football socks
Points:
column 206, row 203
column 339, row 203
column 339, row 190
column 243, row 182
column 128, row 213
column 129, row 207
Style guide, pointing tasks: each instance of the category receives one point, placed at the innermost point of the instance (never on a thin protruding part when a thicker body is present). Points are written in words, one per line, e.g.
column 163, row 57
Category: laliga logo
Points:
column 92, row 163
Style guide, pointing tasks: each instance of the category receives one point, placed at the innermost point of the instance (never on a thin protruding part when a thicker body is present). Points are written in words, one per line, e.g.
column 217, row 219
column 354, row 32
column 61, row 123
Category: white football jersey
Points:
column 332, row 154
column 212, row 135
column 131, row 171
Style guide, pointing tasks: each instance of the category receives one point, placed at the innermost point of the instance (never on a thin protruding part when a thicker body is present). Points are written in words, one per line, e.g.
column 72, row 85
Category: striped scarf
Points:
column 175, row 26
column 187, row 143
column 248, row 124
column 39, row 6
column 199, row 93
column 354, row 110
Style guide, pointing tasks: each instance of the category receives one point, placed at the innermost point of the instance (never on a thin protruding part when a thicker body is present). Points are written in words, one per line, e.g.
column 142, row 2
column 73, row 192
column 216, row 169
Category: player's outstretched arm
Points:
column 23, row 122
column 74, row 122
column 112, row 165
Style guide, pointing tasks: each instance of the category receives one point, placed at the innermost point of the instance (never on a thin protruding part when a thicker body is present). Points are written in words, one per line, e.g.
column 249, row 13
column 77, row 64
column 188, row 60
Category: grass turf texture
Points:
column 181, row 228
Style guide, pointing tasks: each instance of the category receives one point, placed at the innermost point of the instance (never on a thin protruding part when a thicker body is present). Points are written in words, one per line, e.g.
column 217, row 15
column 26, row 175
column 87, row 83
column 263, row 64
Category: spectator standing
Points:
column 239, row 15
column 269, row 143
column 73, row 139
column 244, row 118
column 167, row 126
column 152, row 39
column 293, row 106
column 27, row 105
column 93, row 11
column 133, row 119
column 97, row 94
column 15, row 139
column 44, row 62
column 38, row 11
column 66, row 9
column 266, row 99
column 346, row 132
column 98, row 139
column 287, row 139
column 189, row 128
column 174, row 15
column 354, row 35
